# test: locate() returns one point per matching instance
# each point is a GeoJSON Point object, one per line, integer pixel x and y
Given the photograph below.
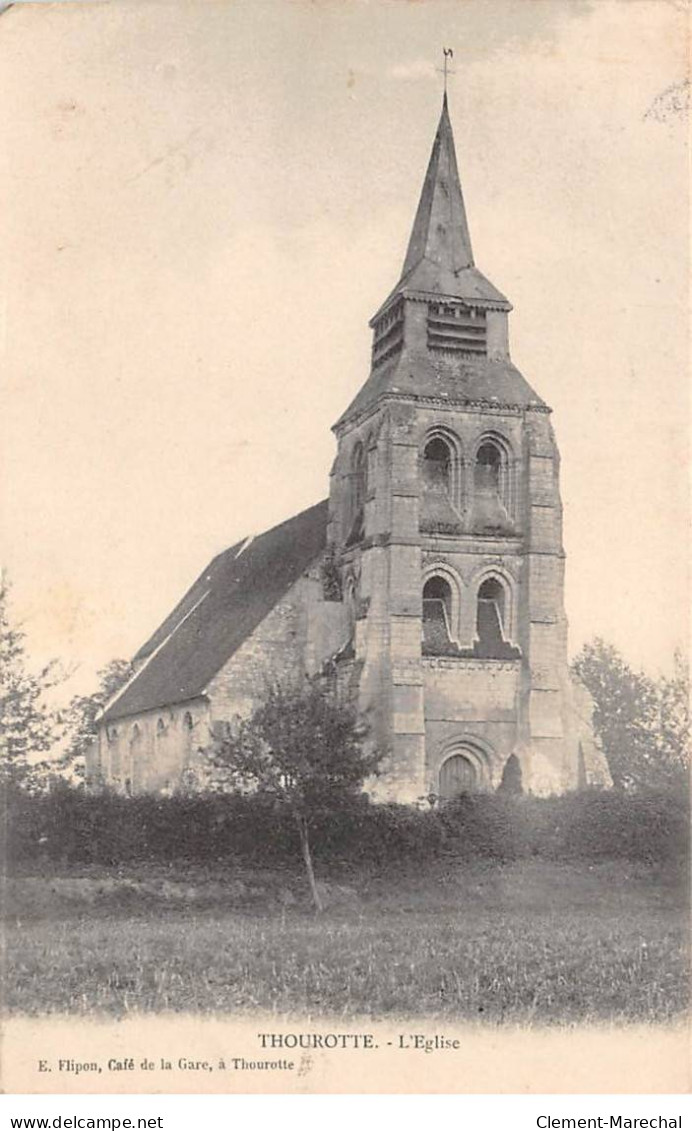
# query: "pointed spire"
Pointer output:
{"type": "Point", "coordinates": [440, 231]}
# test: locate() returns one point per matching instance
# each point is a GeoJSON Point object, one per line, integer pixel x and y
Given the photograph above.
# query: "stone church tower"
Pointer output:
{"type": "Point", "coordinates": [445, 520]}
{"type": "Point", "coordinates": [428, 590]}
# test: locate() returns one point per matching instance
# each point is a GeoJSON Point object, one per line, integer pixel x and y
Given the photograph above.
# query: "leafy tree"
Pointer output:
{"type": "Point", "coordinates": [303, 749]}
{"type": "Point", "coordinates": [28, 726]}
{"type": "Point", "coordinates": [643, 723]}
{"type": "Point", "coordinates": [673, 723]}
{"type": "Point", "coordinates": [83, 711]}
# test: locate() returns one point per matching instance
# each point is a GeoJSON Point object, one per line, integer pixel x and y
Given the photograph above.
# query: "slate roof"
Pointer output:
{"type": "Point", "coordinates": [453, 380]}
{"type": "Point", "coordinates": [429, 280]}
{"type": "Point", "coordinates": [439, 258]}
{"type": "Point", "coordinates": [439, 264]}
{"type": "Point", "coordinates": [220, 610]}
{"type": "Point", "coordinates": [440, 230]}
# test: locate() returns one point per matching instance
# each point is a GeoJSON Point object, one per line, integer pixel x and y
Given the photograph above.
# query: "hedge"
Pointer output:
{"type": "Point", "coordinates": [70, 826]}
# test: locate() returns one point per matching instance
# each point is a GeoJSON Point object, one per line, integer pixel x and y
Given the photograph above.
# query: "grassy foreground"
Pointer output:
{"type": "Point", "coordinates": [526, 942]}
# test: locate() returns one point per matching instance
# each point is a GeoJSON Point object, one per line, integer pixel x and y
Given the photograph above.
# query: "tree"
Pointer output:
{"type": "Point", "coordinates": [28, 726]}
{"type": "Point", "coordinates": [84, 709]}
{"type": "Point", "coordinates": [642, 723]}
{"type": "Point", "coordinates": [511, 781]}
{"type": "Point", "coordinates": [673, 724]}
{"type": "Point", "coordinates": [302, 748]}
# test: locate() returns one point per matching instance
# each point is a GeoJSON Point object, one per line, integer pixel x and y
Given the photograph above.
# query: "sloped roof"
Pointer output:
{"type": "Point", "coordinates": [220, 610]}
{"type": "Point", "coordinates": [454, 380]}
{"type": "Point", "coordinates": [439, 258]}
{"type": "Point", "coordinates": [429, 280]}
{"type": "Point", "coordinates": [440, 230]}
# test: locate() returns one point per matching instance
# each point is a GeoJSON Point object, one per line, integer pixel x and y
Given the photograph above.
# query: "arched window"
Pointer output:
{"type": "Point", "coordinates": [437, 466]}
{"type": "Point", "coordinates": [114, 756]}
{"type": "Point", "coordinates": [437, 616]}
{"type": "Point", "coordinates": [492, 503]}
{"type": "Point", "coordinates": [187, 741]}
{"type": "Point", "coordinates": [136, 768]}
{"type": "Point", "coordinates": [358, 490]}
{"type": "Point", "coordinates": [160, 728]}
{"type": "Point", "coordinates": [440, 482]}
{"type": "Point", "coordinates": [488, 466]}
{"type": "Point", "coordinates": [492, 614]}
{"type": "Point", "coordinates": [360, 477]}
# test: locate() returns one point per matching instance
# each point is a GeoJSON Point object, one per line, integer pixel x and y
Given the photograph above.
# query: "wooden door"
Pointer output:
{"type": "Point", "coordinates": [457, 775]}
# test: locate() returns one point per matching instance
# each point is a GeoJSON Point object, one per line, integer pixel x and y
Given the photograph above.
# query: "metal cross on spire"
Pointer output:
{"type": "Point", "coordinates": [447, 54]}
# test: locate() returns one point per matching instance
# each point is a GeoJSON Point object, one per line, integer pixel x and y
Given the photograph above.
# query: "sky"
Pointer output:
{"type": "Point", "coordinates": [202, 204]}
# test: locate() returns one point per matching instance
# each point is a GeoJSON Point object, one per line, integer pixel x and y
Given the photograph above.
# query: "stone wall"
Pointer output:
{"type": "Point", "coordinates": [157, 751]}
{"type": "Point", "coordinates": [474, 702]}
{"type": "Point", "coordinates": [418, 706]}
{"type": "Point", "coordinates": [294, 639]}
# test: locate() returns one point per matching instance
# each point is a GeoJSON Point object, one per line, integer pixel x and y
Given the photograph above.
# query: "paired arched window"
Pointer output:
{"type": "Point", "coordinates": [493, 621]}
{"type": "Point", "coordinates": [485, 620]}
{"type": "Point", "coordinates": [437, 615]}
{"type": "Point", "coordinates": [488, 466]}
{"type": "Point", "coordinates": [437, 465]}
{"type": "Point", "coordinates": [449, 500]}
{"type": "Point", "coordinates": [490, 615]}
{"type": "Point", "coordinates": [441, 496]}
{"type": "Point", "coordinates": [492, 486]}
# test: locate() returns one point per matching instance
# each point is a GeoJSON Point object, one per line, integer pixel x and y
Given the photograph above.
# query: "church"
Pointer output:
{"type": "Point", "coordinates": [428, 589]}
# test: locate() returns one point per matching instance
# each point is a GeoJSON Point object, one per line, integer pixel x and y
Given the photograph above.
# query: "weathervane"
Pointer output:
{"type": "Point", "coordinates": [447, 53]}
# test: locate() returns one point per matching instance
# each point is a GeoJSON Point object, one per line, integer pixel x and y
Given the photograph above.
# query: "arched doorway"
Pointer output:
{"type": "Point", "coordinates": [461, 772]}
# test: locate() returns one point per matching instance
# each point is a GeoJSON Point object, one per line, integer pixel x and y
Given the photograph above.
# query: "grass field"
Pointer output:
{"type": "Point", "coordinates": [527, 942]}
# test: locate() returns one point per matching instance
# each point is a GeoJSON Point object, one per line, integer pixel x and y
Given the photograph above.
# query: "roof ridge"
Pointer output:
{"type": "Point", "coordinates": [240, 592]}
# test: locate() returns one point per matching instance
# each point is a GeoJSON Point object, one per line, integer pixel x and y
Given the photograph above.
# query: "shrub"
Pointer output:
{"type": "Point", "coordinates": [70, 826]}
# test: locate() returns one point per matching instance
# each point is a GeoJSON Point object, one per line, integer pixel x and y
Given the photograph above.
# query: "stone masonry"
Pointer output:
{"type": "Point", "coordinates": [431, 587]}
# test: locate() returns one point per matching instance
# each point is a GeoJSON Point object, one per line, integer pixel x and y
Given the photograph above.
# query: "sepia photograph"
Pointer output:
{"type": "Point", "coordinates": [344, 616]}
